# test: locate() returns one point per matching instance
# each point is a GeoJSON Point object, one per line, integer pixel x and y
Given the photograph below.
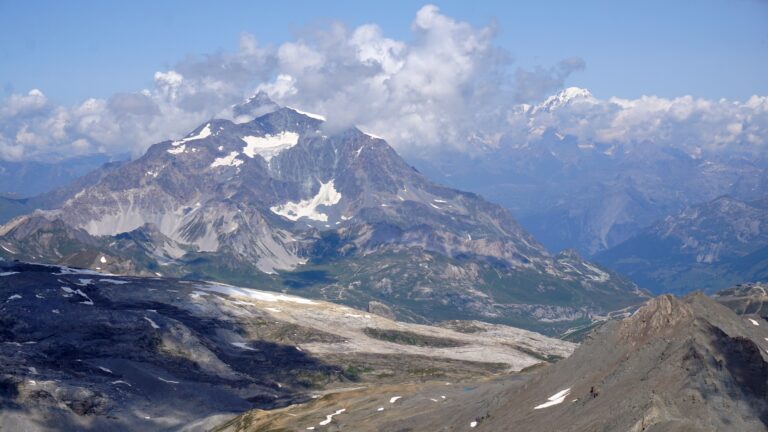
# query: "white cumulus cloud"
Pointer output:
{"type": "Point", "coordinates": [448, 85]}
{"type": "Point", "coordinates": [694, 125]}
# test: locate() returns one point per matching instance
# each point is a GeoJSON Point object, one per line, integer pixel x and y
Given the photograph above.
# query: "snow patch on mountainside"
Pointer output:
{"type": "Point", "coordinates": [555, 399]}
{"type": "Point", "coordinates": [326, 196]}
{"type": "Point", "coordinates": [243, 345]}
{"type": "Point", "coordinates": [229, 160]}
{"type": "Point", "coordinates": [177, 150]}
{"type": "Point", "coordinates": [204, 133]}
{"type": "Point", "coordinates": [373, 136]}
{"type": "Point", "coordinates": [269, 146]}
{"type": "Point", "coordinates": [597, 274]}
{"type": "Point", "coordinates": [308, 114]}
{"type": "Point", "coordinates": [253, 294]}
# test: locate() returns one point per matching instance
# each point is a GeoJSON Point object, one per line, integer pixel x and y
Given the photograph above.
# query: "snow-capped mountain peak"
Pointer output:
{"type": "Point", "coordinates": [255, 106]}
{"type": "Point", "coordinates": [279, 194]}
{"type": "Point", "coordinates": [564, 97]}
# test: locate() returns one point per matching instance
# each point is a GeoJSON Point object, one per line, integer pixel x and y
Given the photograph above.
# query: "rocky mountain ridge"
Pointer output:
{"type": "Point", "coordinates": [592, 194]}
{"type": "Point", "coordinates": [677, 364]}
{"type": "Point", "coordinates": [281, 203]}
{"type": "Point", "coordinates": [708, 247]}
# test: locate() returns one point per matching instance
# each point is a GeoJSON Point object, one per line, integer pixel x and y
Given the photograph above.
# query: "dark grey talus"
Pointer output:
{"type": "Point", "coordinates": [83, 350]}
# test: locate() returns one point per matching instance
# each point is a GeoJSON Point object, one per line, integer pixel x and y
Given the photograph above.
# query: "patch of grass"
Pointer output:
{"type": "Point", "coordinates": [303, 279]}
{"type": "Point", "coordinates": [311, 379]}
{"type": "Point", "coordinates": [409, 338]}
{"type": "Point", "coordinates": [580, 333]}
{"type": "Point", "coordinates": [549, 358]}
{"type": "Point", "coordinates": [355, 372]}
{"type": "Point", "coordinates": [461, 326]}
{"type": "Point", "coordinates": [533, 368]}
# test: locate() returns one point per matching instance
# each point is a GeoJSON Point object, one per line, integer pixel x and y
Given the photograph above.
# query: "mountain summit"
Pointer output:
{"type": "Point", "coordinates": [564, 97]}
{"type": "Point", "coordinates": [678, 364]}
{"type": "Point", "coordinates": [282, 203]}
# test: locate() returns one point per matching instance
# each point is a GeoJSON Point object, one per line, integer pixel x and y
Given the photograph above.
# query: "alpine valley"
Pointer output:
{"type": "Point", "coordinates": [315, 216]}
{"type": "Point", "coordinates": [284, 203]}
{"type": "Point", "coordinates": [708, 247]}
{"type": "Point", "coordinates": [591, 193]}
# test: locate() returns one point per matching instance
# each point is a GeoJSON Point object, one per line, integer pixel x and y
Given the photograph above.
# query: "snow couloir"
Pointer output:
{"type": "Point", "coordinates": [308, 208]}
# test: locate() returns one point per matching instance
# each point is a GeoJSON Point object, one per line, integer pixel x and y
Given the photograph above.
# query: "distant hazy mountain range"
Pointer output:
{"type": "Point", "coordinates": [283, 204]}
{"type": "Point", "coordinates": [599, 198]}
{"type": "Point", "coordinates": [54, 192]}
{"type": "Point", "coordinates": [592, 196]}
{"type": "Point", "coordinates": [25, 179]}
{"type": "Point", "coordinates": [704, 247]}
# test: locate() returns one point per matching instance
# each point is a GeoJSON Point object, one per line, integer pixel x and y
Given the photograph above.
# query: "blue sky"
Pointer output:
{"type": "Point", "coordinates": [81, 77]}
{"type": "Point", "coordinates": [79, 49]}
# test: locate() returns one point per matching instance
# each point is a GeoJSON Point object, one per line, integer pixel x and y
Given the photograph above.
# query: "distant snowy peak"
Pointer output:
{"type": "Point", "coordinates": [255, 106]}
{"type": "Point", "coordinates": [266, 136]}
{"type": "Point", "coordinates": [564, 97]}
{"type": "Point", "coordinates": [259, 99]}
{"type": "Point", "coordinates": [261, 104]}
{"type": "Point", "coordinates": [572, 92]}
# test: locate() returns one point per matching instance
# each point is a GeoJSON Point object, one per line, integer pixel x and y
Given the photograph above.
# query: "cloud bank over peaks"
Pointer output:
{"type": "Point", "coordinates": [697, 126]}
{"type": "Point", "coordinates": [197, 89]}
{"type": "Point", "coordinates": [427, 92]}
{"type": "Point", "coordinates": [448, 87]}
{"type": "Point", "coordinates": [532, 86]}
